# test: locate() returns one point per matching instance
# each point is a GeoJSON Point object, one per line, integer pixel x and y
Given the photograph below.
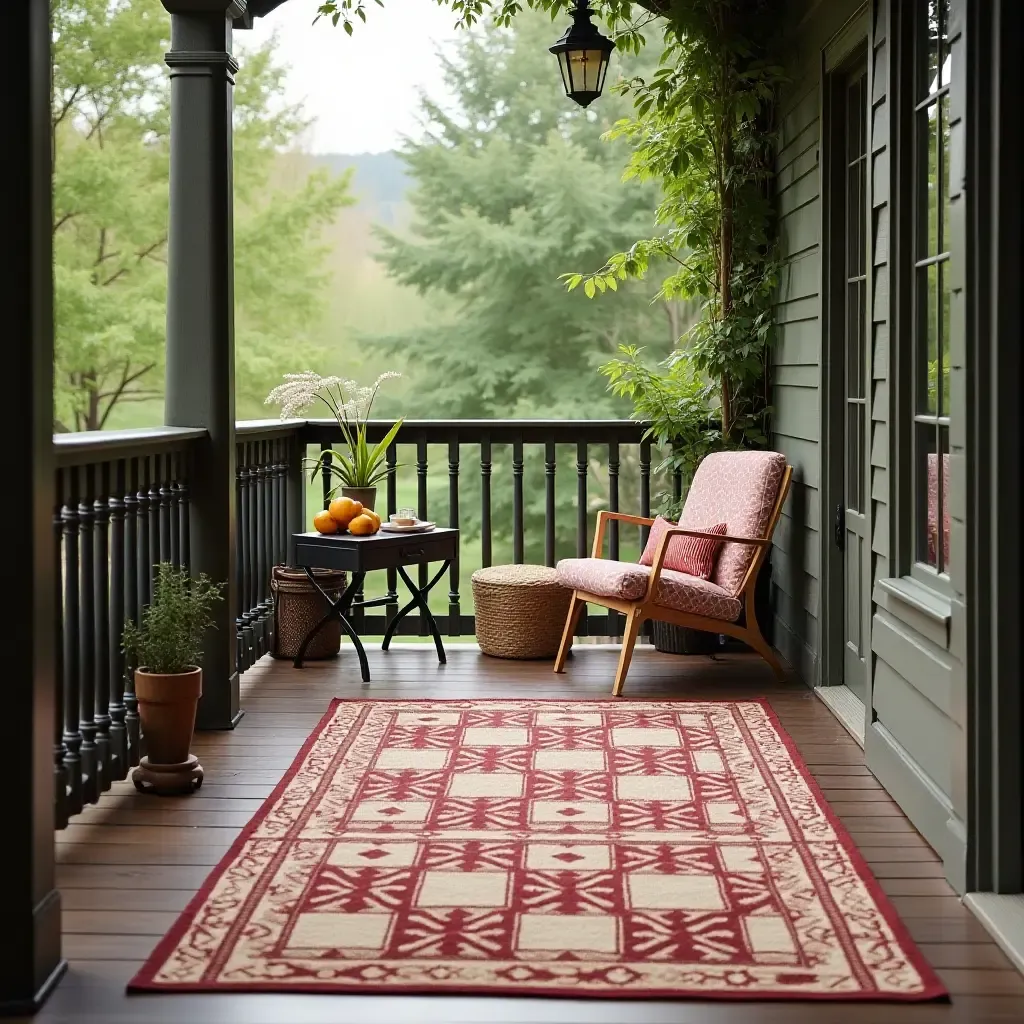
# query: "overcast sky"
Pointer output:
{"type": "Point", "coordinates": [362, 90]}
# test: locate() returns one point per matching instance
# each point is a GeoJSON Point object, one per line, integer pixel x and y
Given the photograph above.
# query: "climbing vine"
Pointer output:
{"type": "Point", "coordinates": [703, 129]}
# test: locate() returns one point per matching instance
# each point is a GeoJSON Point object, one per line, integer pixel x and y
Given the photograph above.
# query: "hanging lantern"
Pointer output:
{"type": "Point", "coordinates": [583, 54]}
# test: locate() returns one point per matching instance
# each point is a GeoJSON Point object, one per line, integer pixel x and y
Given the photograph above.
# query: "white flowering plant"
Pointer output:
{"type": "Point", "coordinates": [361, 465]}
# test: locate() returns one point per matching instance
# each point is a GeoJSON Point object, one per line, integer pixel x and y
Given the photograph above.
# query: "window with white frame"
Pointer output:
{"type": "Point", "coordinates": [931, 287]}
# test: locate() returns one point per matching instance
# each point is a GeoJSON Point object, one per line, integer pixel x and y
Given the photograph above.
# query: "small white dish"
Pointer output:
{"type": "Point", "coordinates": [419, 527]}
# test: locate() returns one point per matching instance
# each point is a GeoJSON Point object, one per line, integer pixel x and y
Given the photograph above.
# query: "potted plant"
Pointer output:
{"type": "Point", "coordinates": [166, 648]}
{"type": "Point", "coordinates": [359, 467]}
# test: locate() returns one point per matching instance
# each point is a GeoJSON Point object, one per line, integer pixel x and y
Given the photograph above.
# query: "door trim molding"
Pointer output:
{"type": "Point", "coordinates": [852, 43]}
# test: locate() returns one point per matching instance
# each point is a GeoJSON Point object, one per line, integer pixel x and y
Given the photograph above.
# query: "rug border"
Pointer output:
{"type": "Point", "coordinates": [934, 990]}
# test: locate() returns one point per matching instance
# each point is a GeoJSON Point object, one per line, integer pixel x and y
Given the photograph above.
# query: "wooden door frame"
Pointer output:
{"type": "Point", "coordinates": [845, 48]}
{"type": "Point", "coordinates": [994, 697]}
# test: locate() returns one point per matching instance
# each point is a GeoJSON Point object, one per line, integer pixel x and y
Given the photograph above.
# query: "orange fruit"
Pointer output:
{"type": "Point", "coordinates": [373, 515]}
{"type": "Point", "coordinates": [343, 510]}
{"type": "Point", "coordinates": [362, 526]}
{"type": "Point", "coordinates": [323, 522]}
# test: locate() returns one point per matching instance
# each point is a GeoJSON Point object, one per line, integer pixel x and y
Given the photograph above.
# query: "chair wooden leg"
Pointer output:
{"type": "Point", "coordinates": [576, 606]}
{"type": "Point", "coordinates": [763, 648]}
{"type": "Point", "coordinates": [629, 636]}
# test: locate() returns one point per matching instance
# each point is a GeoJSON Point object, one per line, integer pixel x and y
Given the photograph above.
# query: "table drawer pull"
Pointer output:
{"type": "Point", "coordinates": [412, 552]}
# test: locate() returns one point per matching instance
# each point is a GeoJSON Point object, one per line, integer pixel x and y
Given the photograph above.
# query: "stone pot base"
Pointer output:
{"type": "Point", "coordinates": [168, 779]}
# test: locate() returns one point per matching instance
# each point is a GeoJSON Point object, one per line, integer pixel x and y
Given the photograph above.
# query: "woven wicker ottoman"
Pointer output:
{"type": "Point", "coordinates": [520, 610]}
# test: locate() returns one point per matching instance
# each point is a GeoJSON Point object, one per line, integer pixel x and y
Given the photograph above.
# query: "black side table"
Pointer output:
{"type": "Point", "coordinates": [360, 555]}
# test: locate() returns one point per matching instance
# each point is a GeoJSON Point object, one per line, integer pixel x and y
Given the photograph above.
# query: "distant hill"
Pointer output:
{"type": "Point", "coordinates": [379, 184]}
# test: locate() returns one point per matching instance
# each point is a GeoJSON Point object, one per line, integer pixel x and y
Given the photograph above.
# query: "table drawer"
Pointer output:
{"type": "Point", "coordinates": [411, 551]}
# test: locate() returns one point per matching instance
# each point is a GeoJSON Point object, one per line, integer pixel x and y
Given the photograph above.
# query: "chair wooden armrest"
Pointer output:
{"type": "Point", "coordinates": [602, 518]}
{"type": "Point", "coordinates": [679, 531]}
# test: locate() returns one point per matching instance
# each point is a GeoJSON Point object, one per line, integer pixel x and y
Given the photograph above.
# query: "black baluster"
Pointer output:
{"type": "Point", "coordinates": [277, 506]}
{"type": "Point", "coordinates": [115, 624]}
{"type": "Point", "coordinates": [86, 646]}
{"type": "Point", "coordinates": [240, 562]}
{"type": "Point", "coordinates": [262, 541]}
{"type": "Point", "coordinates": [613, 527]}
{"type": "Point", "coordinates": [184, 524]}
{"type": "Point", "coordinates": [251, 568]}
{"type": "Point", "coordinates": [421, 499]}
{"type": "Point", "coordinates": [175, 502]}
{"type": "Point", "coordinates": [485, 503]}
{"type": "Point", "coordinates": [454, 605]}
{"type": "Point", "coordinates": [549, 502]}
{"type": "Point", "coordinates": [72, 735]}
{"type": "Point", "coordinates": [245, 569]}
{"type": "Point", "coordinates": [60, 771]}
{"type": "Point", "coordinates": [326, 472]}
{"type": "Point", "coordinates": [645, 489]}
{"type": "Point", "coordinates": [391, 457]}
{"type": "Point", "coordinates": [582, 465]}
{"type": "Point", "coordinates": [132, 609]}
{"type": "Point", "coordinates": [143, 566]}
{"type": "Point", "coordinates": [101, 627]}
{"type": "Point", "coordinates": [154, 519]}
{"type": "Point", "coordinates": [164, 494]}
{"type": "Point", "coordinates": [518, 554]}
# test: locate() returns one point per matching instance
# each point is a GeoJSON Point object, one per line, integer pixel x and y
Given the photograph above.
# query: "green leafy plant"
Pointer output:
{"type": "Point", "coordinates": [169, 638]}
{"type": "Point", "coordinates": [361, 465]}
{"type": "Point", "coordinates": [703, 130]}
{"type": "Point", "coordinates": [674, 401]}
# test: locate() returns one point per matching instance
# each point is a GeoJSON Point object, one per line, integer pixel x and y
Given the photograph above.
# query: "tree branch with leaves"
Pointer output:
{"type": "Point", "coordinates": [703, 130]}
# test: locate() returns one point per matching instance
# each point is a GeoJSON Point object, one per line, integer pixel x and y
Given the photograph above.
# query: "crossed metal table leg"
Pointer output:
{"type": "Point", "coordinates": [337, 610]}
{"type": "Point", "coordinates": [419, 600]}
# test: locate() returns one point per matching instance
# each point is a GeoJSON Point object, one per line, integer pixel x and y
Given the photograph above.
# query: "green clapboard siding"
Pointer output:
{"type": "Point", "coordinates": [796, 369]}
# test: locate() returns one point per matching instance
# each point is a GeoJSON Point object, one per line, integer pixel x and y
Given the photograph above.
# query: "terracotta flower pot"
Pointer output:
{"type": "Point", "coordinates": [366, 496]}
{"type": "Point", "coordinates": [167, 709]}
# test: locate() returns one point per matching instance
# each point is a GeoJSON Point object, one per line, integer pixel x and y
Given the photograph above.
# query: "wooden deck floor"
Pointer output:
{"type": "Point", "coordinates": [128, 865]}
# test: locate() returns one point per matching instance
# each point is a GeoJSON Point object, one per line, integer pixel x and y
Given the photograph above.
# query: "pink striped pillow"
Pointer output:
{"type": "Point", "coordinates": [692, 555]}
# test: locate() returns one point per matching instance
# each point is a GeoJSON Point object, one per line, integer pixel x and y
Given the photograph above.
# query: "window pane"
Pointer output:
{"type": "Point", "coordinates": [944, 498]}
{"type": "Point", "coordinates": [944, 327]}
{"type": "Point", "coordinates": [931, 129]}
{"type": "Point", "coordinates": [854, 455]}
{"type": "Point", "coordinates": [855, 227]}
{"type": "Point", "coordinates": [930, 339]}
{"type": "Point", "coordinates": [927, 487]}
{"type": "Point", "coordinates": [930, 49]}
{"type": "Point", "coordinates": [944, 39]}
{"type": "Point", "coordinates": [944, 197]}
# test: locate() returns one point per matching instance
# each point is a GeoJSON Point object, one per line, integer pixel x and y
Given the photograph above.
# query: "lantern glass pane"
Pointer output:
{"type": "Point", "coordinates": [604, 72]}
{"type": "Point", "coordinates": [563, 67]}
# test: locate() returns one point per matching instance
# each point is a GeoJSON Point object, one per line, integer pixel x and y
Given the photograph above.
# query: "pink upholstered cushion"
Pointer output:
{"type": "Point", "coordinates": [738, 489]}
{"type": "Point", "coordinates": [693, 555]}
{"type": "Point", "coordinates": [628, 581]}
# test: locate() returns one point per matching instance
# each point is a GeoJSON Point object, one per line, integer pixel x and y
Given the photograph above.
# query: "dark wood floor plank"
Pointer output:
{"type": "Point", "coordinates": [128, 865]}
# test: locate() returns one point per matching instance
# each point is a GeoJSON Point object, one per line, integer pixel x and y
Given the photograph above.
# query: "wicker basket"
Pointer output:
{"type": "Point", "coordinates": [298, 608]}
{"type": "Point", "coordinates": [673, 639]}
{"type": "Point", "coordinates": [520, 610]}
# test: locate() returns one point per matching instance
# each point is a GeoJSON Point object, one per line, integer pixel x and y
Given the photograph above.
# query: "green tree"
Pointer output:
{"type": "Point", "coordinates": [513, 185]}
{"type": "Point", "coordinates": [110, 121]}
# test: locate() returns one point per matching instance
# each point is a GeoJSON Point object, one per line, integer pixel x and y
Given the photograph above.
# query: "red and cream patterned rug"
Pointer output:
{"type": "Point", "coordinates": [632, 849]}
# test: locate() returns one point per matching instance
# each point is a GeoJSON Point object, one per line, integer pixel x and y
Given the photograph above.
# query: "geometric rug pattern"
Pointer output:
{"type": "Point", "coordinates": [633, 849]}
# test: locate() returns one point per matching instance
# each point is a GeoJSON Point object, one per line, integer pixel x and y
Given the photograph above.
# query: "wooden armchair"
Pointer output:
{"type": "Point", "coordinates": [746, 490]}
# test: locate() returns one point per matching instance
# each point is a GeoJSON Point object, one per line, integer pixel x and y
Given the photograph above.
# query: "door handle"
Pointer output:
{"type": "Point", "coordinates": [840, 526]}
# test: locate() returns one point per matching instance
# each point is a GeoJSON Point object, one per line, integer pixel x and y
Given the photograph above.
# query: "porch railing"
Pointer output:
{"type": "Point", "coordinates": [124, 506]}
